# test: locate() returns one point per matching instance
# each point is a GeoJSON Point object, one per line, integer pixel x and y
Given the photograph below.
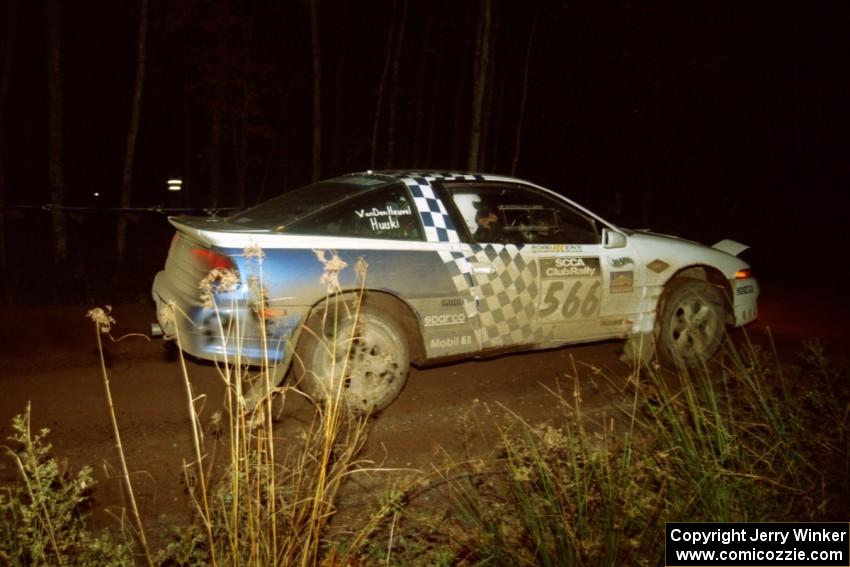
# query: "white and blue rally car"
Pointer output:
{"type": "Point", "coordinates": [459, 265]}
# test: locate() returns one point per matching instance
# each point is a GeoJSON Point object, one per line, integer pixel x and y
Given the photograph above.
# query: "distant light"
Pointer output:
{"type": "Point", "coordinates": [96, 194]}
{"type": "Point", "coordinates": [175, 184]}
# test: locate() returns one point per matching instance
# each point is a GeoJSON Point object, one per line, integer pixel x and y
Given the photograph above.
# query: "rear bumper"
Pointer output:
{"type": "Point", "coordinates": [166, 323]}
{"type": "Point", "coordinates": [232, 329]}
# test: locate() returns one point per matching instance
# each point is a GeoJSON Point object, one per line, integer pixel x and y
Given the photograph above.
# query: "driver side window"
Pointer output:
{"type": "Point", "coordinates": [506, 214]}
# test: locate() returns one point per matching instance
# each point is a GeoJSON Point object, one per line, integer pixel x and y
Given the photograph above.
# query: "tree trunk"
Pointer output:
{"type": "Point", "coordinates": [239, 124]}
{"type": "Point", "coordinates": [317, 89]}
{"type": "Point", "coordinates": [216, 150]}
{"type": "Point", "coordinates": [132, 132]}
{"type": "Point", "coordinates": [188, 145]}
{"type": "Point", "coordinates": [391, 112]}
{"type": "Point", "coordinates": [432, 119]}
{"type": "Point", "coordinates": [524, 97]}
{"type": "Point", "coordinates": [240, 158]}
{"type": "Point", "coordinates": [338, 158]}
{"type": "Point", "coordinates": [423, 96]}
{"type": "Point", "coordinates": [458, 139]}
{"type": "Point", "coordinates": [379, 98]}
{"type": "Point", "coordinates": [490, 94]}
{"type": "Point", "coordinates": [54, 134]}
{"type": "Point", "coordinates": [5, 81]}
{"type": "Point", "coordinates": [459, 84]}
{"type": "Point", "coordinates": [218, 110]}
{"type": "Point", "coordinates": [495, 108]}
{"type": "Point", "coordinates": [481, 68]}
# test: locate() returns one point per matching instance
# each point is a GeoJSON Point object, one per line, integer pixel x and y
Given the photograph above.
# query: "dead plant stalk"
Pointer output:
{"type": "Point", "coordinates": [193, 416]}
{"type": "Point", "coordinates": [125, 472]}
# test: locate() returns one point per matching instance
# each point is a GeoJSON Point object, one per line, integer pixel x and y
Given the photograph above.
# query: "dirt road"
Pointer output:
{"type": "Point", "coordinates": [48, 358]}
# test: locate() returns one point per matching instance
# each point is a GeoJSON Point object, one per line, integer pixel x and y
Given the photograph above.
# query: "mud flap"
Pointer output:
{"type": "Point", "coordinates": [639, 349]}
{"type": "Point", "coordinates": [257, 394]}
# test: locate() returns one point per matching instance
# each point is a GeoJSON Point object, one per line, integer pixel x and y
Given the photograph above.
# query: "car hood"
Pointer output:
{"type": "Point", "coordinates": [680, 253]}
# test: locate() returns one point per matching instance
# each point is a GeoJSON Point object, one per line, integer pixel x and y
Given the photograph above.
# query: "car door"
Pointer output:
{"type": "Point", "coordinates": [501, 272]}
{"type": "Point", "coordinates": [589, 288]}
{"type": "Point", "coordinates": [542, 274]}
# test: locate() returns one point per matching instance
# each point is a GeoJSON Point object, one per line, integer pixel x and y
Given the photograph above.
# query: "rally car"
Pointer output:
{"type": "Point", "coordinates": [459, 265]}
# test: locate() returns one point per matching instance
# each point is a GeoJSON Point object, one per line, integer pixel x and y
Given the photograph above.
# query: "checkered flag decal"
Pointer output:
{"type": "Point", "coordinates": [460, 270]}
{"type": "Point", "coordinates": [507, 298]}
{"type": "Point", "coordinates": [438, 224]}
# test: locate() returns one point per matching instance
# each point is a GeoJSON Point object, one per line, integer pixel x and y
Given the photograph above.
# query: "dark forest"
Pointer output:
{"type": "Point", "coordinates": [478, 440]}
{"type": "Point", "coordinates": [703, 119]}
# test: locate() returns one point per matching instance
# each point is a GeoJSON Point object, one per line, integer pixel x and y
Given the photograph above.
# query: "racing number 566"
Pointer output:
{"type": "Point", "coordinates": [581, 297]}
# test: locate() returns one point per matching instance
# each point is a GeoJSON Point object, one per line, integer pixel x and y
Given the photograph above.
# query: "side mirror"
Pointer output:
{"type": "Point", "coordinates": [613, 239]}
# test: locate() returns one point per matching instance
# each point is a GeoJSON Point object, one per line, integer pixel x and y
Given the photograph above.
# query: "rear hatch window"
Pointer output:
{"type": "Point", "coordinates": [280, 212]}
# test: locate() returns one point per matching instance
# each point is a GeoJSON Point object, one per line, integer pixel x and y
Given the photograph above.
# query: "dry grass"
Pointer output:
{"type": "Point", "coordinates": [738, 440]}
{"type": "Point", "coordinates": [744, 439]}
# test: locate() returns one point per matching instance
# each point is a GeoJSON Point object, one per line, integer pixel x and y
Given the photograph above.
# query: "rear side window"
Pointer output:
{"type": "Point", "coordinates": [384, 213]}
{"type": "Point", "coordinates": [277, 213]}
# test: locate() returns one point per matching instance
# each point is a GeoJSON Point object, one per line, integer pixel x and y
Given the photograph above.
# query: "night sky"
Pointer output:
{"type": "Point", "coordinates": [704, 119]}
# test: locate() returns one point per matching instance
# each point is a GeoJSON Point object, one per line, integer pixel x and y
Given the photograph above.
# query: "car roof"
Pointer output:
{"type": "Point", "coordinates": [440, 174]}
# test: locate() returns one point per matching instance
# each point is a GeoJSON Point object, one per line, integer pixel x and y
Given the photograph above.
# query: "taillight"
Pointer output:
{"type": "Point", "coordinates": [211, 259]}
{"type": "Point", "coordinates": [744, 274]}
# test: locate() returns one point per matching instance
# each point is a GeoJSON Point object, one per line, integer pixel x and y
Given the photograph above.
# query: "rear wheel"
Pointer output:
{"type": "Point", "coordinates": [365, 362]}
{"type": "Point", "coordinates": [691, 323]}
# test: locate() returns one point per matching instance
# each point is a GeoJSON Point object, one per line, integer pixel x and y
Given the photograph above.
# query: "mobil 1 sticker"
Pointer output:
{"type": "Point", "coordinates": [571, 289]}
{"type": "Point", "coordinates": [444, 342]}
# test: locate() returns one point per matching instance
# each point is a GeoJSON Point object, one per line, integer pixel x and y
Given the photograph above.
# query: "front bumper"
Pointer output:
{"type": "Point", "coordinates": [745, 295]}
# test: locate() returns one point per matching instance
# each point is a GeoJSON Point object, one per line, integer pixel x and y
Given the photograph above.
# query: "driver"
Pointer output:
{"type": "Point", "coordinates": [489, 229]}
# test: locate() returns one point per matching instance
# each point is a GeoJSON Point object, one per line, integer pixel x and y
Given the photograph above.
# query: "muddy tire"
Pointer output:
{"type": "Point", "coordinates": [367, 363]}
{"type": "Point", "coordinates": [690, 327]}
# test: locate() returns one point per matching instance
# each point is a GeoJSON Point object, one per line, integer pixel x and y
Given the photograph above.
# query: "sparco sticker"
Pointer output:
{"type": "Point", "coordinates": [444, 319]}
{"type": "Point", "coordinates": [569, 267]}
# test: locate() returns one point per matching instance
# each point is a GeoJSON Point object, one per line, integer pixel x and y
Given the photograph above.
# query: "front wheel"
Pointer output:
{"type": "Point", "coordinates": [691, 323]}
{"type": "Point", "coordinates": [365, 362]}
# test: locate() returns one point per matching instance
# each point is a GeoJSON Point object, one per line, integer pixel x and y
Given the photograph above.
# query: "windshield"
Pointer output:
{"type": "Point", "coordinates": [285, 209]}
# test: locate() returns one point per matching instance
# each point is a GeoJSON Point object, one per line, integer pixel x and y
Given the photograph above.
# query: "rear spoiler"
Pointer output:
{"type": "Point", "coordinates": [730, 247]}
{"type": "Point", "coordinates": [199, 227]}
{"type": "Point", "coordinates": [193, 227]}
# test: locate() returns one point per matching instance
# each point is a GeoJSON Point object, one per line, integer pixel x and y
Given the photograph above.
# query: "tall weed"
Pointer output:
{"type": "Point", "coordinates": [270, 503]}
{"type": "Point", "coordinates": [42, 516]}
{"type": "Point", "coordinates": [739, 440]}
